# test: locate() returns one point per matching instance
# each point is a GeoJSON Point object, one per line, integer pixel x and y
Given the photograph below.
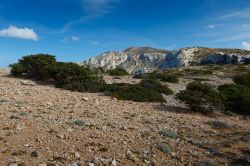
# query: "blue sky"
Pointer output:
{"type": "Point", "coordinates": [74, 30]}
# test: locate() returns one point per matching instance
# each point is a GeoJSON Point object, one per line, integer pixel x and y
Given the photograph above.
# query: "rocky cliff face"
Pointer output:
{"type": "Point", "coordinates": [146, 59]}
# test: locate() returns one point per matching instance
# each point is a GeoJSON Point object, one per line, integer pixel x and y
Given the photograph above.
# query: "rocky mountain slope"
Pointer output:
{"type": "Point", "coordinates": [41, 125]}
{"type": "Point", "coordinates": [147, 59]}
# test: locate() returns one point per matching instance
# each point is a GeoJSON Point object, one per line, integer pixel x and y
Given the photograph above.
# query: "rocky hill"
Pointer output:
{"type": "Point", "coordinates": [41, 125]}
{"type": "Point", "coordinates": [147, 59]}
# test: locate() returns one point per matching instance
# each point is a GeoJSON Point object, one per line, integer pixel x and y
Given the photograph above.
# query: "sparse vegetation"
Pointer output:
{"type": "Point", "coordinates": [202, 98]}
{"type": "Point", "coordinates": [118, 72]}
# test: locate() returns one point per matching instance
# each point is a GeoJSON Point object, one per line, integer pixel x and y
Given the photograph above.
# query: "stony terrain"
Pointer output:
{"type": "Point", "coordinates": [44, 126]}
{"type": "Point", "coordinates": [147, 59]}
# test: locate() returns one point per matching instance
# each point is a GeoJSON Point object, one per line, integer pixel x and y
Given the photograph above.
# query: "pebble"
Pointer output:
{"type": "Point", "coordinates": [114, 163]}
{"type": "Point", "coordinates": [77, 155]}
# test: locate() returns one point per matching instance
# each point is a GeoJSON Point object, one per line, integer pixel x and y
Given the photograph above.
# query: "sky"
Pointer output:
{"type": "Point", "coordinates": [74, 30]}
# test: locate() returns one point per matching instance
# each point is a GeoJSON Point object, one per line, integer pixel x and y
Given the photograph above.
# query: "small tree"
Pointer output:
{"type": "Point", "coordinates": [34, 66]}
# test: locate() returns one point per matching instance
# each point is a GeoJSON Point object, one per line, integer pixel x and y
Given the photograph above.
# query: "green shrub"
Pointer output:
{"type": "Point", "coordinates": [146, 91]}
{"type": "Point", "coordinates": [201, 98]}
{"type": "Point", "coordinates": [164, 77]}
{"type": "Point", "coordinates": [118, 72]}
{"type": "Point", "coordinates": [237, 98]}
{"type": "Point", "coordinates": [138, 93]}
{"type": "Point", "coordinates": [198, 71]}
{"type": "Point", "coordinates": [173, 78]}
{"type": "Point", "coordinates": [64, 75]}
{"type": "Point", "coordinates": [34, 66]}
{"type": "Point", "coordinates": [243, 79]}
{"type": "Point", "coordinates": [156, 86]}
{"type": "Point", "coordinates": [84, 84]}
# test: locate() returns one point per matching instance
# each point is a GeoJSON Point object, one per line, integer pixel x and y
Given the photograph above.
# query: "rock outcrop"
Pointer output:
{"type": "Point", "coordinates": [146, 59]}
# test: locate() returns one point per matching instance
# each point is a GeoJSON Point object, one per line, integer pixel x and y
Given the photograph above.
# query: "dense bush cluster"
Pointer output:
{"type": "Point", "coordinates": [146, 91]}
{"type": "Point", "coordinates": [73, 77]}
{"type": "Point", "coordinates": [230, 97]}
{"type": "Point", "coordinates": [35, 66]}
{"type": "Point", "coordinates": [202, 98]}
{"type": "Point", "coordinates": [64, 75]}
{"type": "Point", "coordinates": [243, 79]}
{"type": "Point", "coordinates": [164, 77]}
{"type": "Point", "coordinates": [237, 98]}
{"type": "Point", "coordinates": [118, 72]}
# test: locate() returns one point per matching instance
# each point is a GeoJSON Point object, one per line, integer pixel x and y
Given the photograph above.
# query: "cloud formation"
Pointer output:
{"type": "Point", "coordinates": [246, 45]}
{"type": "Point", "coordinates": [93, 9]}
{"type": "Point", "coordinates": [75, 38]}
{"type": "Point", "coordinates": [99, 7]}
{"type": "Point", "coordinates": [237, 14]}
{"type": "Point", "coordinates": [20, 33]}
{"type": "Point", "coordinates": [210, 26]}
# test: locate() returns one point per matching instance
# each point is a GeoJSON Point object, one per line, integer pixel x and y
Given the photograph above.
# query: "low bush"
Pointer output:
{"type": "Point", "coordinates": [118, 72]}
{"type": "Point", "coordinates": [146, 91]}
{"type": "Point", "coordinates": [164, 77]}
{"type": "Point", "coordinates": [243, 79]}
{"type": "Point", "coordinates": [202, 98]}
{"type": "Point", "coordinates": [198, 71]}
{"type": "Point", "coordinates": [156, 86]}
{"type": "Point", "coordinates": [64, 75]}
{"type": "Point", "coordinates": [137, 93]}
{"type": "Point", "coordinates": [237, 98]}
{"type": "Point", "coordinates": [173, 78]}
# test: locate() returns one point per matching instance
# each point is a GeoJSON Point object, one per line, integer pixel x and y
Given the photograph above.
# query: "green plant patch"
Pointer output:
{"type": "Point", "coordinates": [118, 72]}
{"type": "Point", "coordinates": [202, 98]}
{"type": "Point", "coordinates": [169, 133]}
{"type": "Point", "coordinates": [237, 98]}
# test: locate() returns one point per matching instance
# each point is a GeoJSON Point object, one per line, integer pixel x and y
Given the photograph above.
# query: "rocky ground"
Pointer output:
{"type": "Point", "coordinates": [44, 126]}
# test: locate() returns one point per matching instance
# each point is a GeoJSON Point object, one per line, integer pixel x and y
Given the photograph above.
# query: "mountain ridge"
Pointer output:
{"type": "Point", "coordinates": [148, 59]}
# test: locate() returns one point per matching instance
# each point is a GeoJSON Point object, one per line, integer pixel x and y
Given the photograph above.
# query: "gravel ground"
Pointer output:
{"type": "Point", "coordinates": [44, 126]}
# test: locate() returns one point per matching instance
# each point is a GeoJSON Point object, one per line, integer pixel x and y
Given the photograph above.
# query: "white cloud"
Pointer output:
{"type": "Point", "coordinates": [93, 9]}
{"type": "Point", "coordinates": [21, 33]}
{"type": "Point", "coordinates": [210, 26]}
{"type": "Point", "coordinates": [95, 43]}
{"type": "Point", "coordinates": [99, 7]}
{"type": "Point", "coordinates": [246, 45]}
{"type": "Point", "coordinates": [75, 38]}
{"type": "Point", "coordinates": [243, 13]}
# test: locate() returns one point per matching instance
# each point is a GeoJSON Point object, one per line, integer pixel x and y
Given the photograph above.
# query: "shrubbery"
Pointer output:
{"type": "Point", "coordinates": [73, 77]}
{"type": "Point", "coordinates": [243, 79]}
{"type": "Point", "coordinates": [156, 86]}
{"type": "Point", "coordinates": [237, 98]}
{"type": "Point", "coordinates": [34, 66]}
{"type": "Point", "coordinates": [202, 98]}
{"type": "Point", "coordinates": [164, 77]}
{"type": "Point", "coordinates": [64, 75]}
{"type": "Point", "coordinates": [146, 91]}
{"type": "Point", "coordinates": [118, 72]}
{"type": "Point", "coordinates": [135, 93]}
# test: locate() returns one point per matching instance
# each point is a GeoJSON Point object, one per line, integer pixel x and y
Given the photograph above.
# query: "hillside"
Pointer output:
{"type": "Point", "coordinates": [43, 126]}
{"type": "Point", "coordinates": [147, 59]}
